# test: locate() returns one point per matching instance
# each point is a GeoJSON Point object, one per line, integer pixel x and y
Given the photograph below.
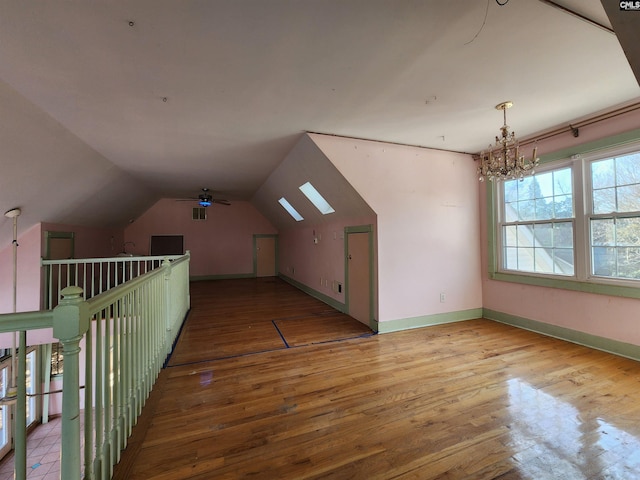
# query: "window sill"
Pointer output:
{"type": "Point", "coordinates": [568, 284]}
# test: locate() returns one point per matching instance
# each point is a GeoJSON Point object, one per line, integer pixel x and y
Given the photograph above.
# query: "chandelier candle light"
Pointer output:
{"type": "Point", "coordinates": [503, 160]}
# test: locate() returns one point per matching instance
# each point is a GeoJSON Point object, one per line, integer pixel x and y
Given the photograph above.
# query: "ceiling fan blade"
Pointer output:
{"type": "Point", "coordinates": [221, 201]}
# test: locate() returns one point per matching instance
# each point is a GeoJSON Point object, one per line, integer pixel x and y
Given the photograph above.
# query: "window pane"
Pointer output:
{"type": "Point", "coordinates": [525, 188]}
{"type": "Point", "coordinates": [543, 235]}
{"type": "Point", "coordinates": [511, 191]}
{"type": "Point", "coordinates": [563, 235]}
{"type": "Point", "coordinates": [511, 212]}
{"type": "Point", "coordinates": [543, 185]}
{"type": "Point", "coordinates": [629, 198]}
{"type": "Point", "coordinates": [510, 236]}
{"type": "Point", "coordinates": [604, 201]}
{"type": "Point", "coordinates": [629, 262]}
{"type": "Point", "coordinates": [616, 184]}
{"type": "Point", "coordinates": [543, 261]}
{"type": "Point", "coordinates": [627, 232]}
{"type": "Point", "coordinates": [562, 182]}
{"type": "Point", "coordinates": [616, 247]}
{"type": "Point", "coordinates": [525, 235]}
{"type": "Point", "coordinates": [603, 232]}
{"type": "Point", "coordinates": [525, 259]}
{"type": "Point", "coordinates": [527, 210]}
{"type": "Point", "coordinates": [604, 261]}
{"type": "Point", "coordinates": [541, 197]}
{"type": "Point", "coordinates": [602, 174]}
{"type": "Point", "coordinates": [511, 258]}
{"type": "Point", "coordinates": [544, 208]}
{"type": "Point", "coordinates": [628, 169]}
{"type": "Point", "coordinates": [564, 261]}
{"type": "Point", "coordinates": [563, 206]}
{"type": "Point", "coordinates": [545, 248]}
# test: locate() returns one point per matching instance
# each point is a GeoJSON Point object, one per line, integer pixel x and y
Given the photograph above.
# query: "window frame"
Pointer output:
{"type": "Point", "coordinates": [579, 157]}
{"type": "Point", "coordinates": [589, 214]}
{"type": "Point", "coordinates": [502, 222]}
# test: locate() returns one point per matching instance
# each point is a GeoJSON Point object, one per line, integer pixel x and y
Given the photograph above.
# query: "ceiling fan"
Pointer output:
{"type": "Point", "coordinates": [205, 199]}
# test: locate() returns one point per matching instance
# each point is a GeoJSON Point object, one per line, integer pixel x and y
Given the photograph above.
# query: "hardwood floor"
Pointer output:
{"type": "Point", "coordinates": [473, 400]}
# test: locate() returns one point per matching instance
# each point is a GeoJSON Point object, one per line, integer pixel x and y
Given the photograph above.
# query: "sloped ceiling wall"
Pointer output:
{"type": "Point", "coordinates": [626, 24]}
{"type": "Point", "coordinates": [55, 177]}
{"type": "Point", "coordinates": [305, 163]}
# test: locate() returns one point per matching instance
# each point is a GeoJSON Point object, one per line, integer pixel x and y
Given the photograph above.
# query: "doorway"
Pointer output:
{"type": "Point", "coordinates": [59, 246]}
{"type": "Point", "coordinates": [265, 255]}
{"type": "Point", "coordinates": [359, 268]}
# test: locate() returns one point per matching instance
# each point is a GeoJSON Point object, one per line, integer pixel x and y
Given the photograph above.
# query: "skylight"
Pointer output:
{"type": "Point", "coordinates": [318, 200]}
{"type": "Point", "coordinates": [292, 211]}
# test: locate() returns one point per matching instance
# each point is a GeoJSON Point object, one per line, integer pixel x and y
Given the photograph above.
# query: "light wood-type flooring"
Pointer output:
{"type": "Point", "coordinates": [268, 383]}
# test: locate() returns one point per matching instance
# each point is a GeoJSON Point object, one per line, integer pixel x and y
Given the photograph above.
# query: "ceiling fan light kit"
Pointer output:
{"type": "Point", "coordinates": [205, 199]}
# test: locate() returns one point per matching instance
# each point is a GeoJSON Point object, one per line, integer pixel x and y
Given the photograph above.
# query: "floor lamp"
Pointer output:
{"type": "Point", "coordinates": [12, 391]}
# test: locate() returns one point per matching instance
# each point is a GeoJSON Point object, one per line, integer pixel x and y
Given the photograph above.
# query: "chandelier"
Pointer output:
{"type": "Point", "coordinates": [503, 160]}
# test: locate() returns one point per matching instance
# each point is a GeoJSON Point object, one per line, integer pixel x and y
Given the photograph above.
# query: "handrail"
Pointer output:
{"type": "Point", "coordinates": [13, 322]}
{"type": "Point", "coordinates": [139, 258]}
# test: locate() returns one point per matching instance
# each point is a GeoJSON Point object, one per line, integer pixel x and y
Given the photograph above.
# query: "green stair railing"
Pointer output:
{"type": "Point", "coordinates": [127, 333]}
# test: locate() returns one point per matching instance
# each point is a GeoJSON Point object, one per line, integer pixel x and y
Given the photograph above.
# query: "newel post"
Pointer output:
{"type": "Point", "coordinates": [70, 323]}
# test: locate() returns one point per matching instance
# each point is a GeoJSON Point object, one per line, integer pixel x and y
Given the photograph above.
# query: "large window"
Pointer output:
{"type": "Point", "coordinates": [576, 219]}
{"type": "Point", "coordinates": [537, 232]}
{"type": "Point", "coordinates": [615, 217]}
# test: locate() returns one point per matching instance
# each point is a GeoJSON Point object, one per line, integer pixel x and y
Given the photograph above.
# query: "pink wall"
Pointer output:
{"type": "Point", "coordinates": [28, 276]}
{"type": "Point", "coordinates": [427, 223]}
{"type": "Point", "coordinates": [313, 261]}
{"type": "Point", "coordinates": [220, 245]}
{"type": "Point", "coordinates": [89, 242]}
{"type": "Point", "coordinates": [602, 315]}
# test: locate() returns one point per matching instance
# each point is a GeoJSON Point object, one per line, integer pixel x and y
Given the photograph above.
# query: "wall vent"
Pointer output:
{"type": "Point", "coordinates": [199, 213]}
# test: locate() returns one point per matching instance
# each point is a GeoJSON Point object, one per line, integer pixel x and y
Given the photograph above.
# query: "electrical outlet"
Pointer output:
{"type": "Point", "coordinates": [443, 297]}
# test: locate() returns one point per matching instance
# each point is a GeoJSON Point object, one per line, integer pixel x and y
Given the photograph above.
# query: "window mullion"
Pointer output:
{"type": "Point", "coordinates": [582, 207]}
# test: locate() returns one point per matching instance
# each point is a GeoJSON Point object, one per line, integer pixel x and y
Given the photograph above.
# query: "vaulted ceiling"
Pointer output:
{"type": "Point", "coordinates": [108, 106]}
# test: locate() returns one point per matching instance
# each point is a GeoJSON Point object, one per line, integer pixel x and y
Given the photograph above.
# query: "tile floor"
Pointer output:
{"type": "Point", "coordinates": [43, 454]}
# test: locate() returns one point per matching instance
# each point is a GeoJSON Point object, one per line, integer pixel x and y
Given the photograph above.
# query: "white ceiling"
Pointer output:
{"type": "Point", "coordinates": [216, 93]}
